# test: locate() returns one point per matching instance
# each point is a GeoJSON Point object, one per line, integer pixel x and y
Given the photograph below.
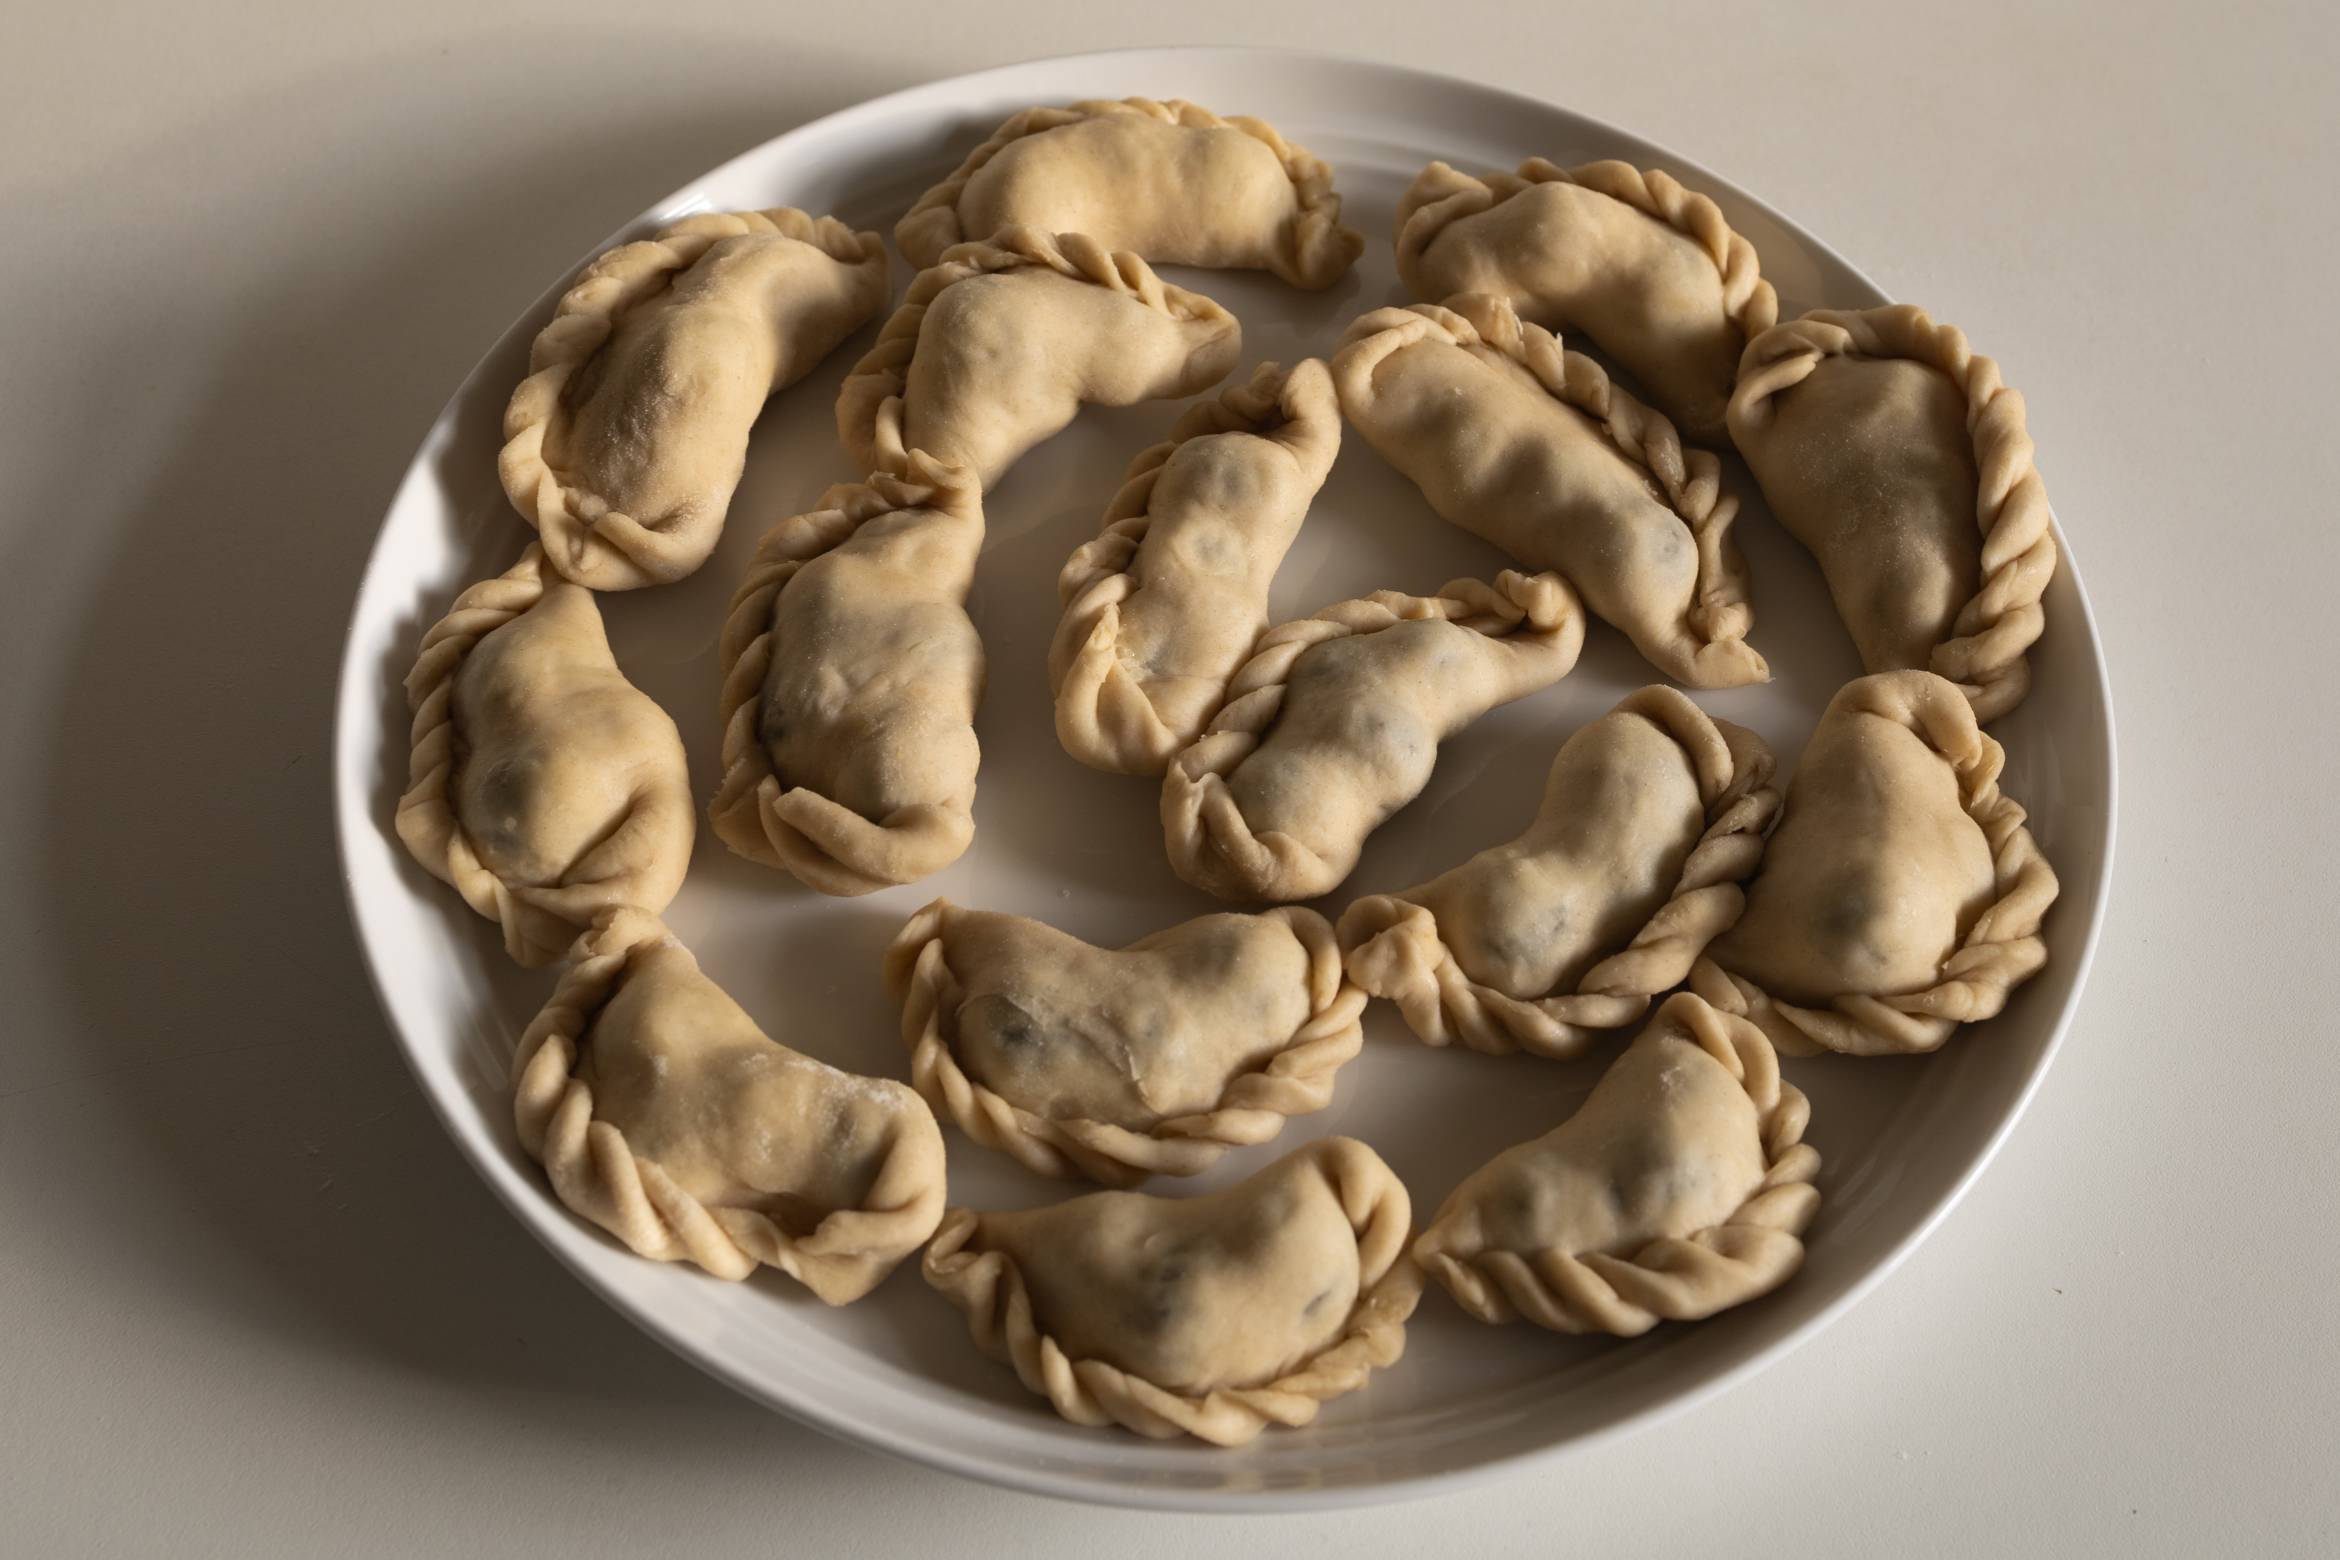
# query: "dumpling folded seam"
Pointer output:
{"type": "Point", "coordinates": [1533, 623]}
{"type": "Point", "coordinates": [598, 1174]}
{"type": "Point", "coordinates": [988, 1284]}
{"type": "Point", "coordinates": [640, 500]}
{"type": "Point", "coordinates": [2001, 949]}
{"type": "Point", "coordinates": [1691, 625]}
{"type": "Point", "coordinates": [1295, 1080]}
{"type": "Point", "coordinates": [1008, 374]}
{"type": "Point", "coordinates": [1303, 242]}
{"type": "Point", "coordinates": [1143, 652]}
{"type": "Point", "coordinates": [1498, 232]}
{"type": "Point", "coordinates": [1675, 1277]}
{"type": "Point", "coordinates": [1993, 631]}
{"type": "Point", "coordinates": [1397, 949]}
{"type": "Point", "coordinates": [634, 854]}
{"type": "Point", "coordinates": [899, 715]}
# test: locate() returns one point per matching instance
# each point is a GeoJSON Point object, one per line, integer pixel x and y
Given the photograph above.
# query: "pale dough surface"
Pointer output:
{"type": "Point", "coordinates": [1171, 181]}
{"type": "Point", "coordinates": [1680, 1186]}
{"type": "Point", "coordinates": [1651, 816]}
{"type": "Point", "coordinates": [543, 785]}
{"type": "Point", "coordinates": [852, 675]}
{"type": "Point", "coordinates": [1901, 894]}
{"type": "Point", "coordinates": [1213, 1316]}
{"type": "Point", "coordinates": [1117, 1063]}
{"type": "Point", "coordinates": [1334, 724]}
{"type": "Point", "coordinates": [1531, 446]}
{"type": "Point", "coordinates": [623, 445]}
{"type": "Point", "coordinates": [999, 344]}
{"type": "Point", "coordinates": [1167, 601]}
{"type": "Point", "coordinates": [1627, 257]}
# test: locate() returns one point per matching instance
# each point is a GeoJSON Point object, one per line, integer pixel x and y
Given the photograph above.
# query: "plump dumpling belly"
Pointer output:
{"type": "Point", "coordinates": [1873, 876]}
{"type": "Point", "coordinates": [735, 1119]}
{"type": "Point", "coordinates": [1131, 1037]}
{"type": "Point", "coordinates": [1869, 465]}
{"type": "Point", "coordinates": [875, 673]}
{"type": "Point", "coordinates": [1221, 1291]}
{"type": "Point", "coordinates": [554, 746]}
{"type": "Point", "coordinates": [1130, 181]}
{"type": "Point", "coordinates": [1532, 916]}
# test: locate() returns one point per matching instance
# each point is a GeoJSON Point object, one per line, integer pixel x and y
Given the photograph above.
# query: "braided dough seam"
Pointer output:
{"type": "Point", "coordinates": [1986, 656]}
{"type": "Point", "coordinates": [989, 1287]}
{"type": "Point", "coordinates": [606, 547]}
{"type": "Point", "coordinates": [1319, 252]}
{"type": "Point", "coordinates": [816, 839]}
{"type": "Point", "coordinates": [1449, 195]}
{"type": "Point", "coordinates": [869, 405]}
{"type": "Point", "coordinates": [1105, 717]}
{"type": "Point", "coordinates": [1710, 647]}
{"type": "Point", "coordinates": [1296, 1081]}
{"type": "Point", "coordinates": [599, 1178]}
{"type": "Point", "coordinates": [539, 921]}
{"type": "Point", "coordinates": [1673, 1278]}
{"type": "Point", "coordinates": [1395, 949]}
{"type": "Point", "coordinates": [1205, 830]}
{"type": "Point", "coordinates": [2000, 951]}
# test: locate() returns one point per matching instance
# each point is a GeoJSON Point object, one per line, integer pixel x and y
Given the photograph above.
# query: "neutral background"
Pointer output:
{"type": "Point", "coordinates": [250, 1300]}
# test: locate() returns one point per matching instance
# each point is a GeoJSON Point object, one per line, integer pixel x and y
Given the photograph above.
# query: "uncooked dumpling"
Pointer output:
{"type": "Point", "coordinates": [1901, 460]}
{"type": "Point", "coordinates": [1651, 818]}
{"type": "Point", "coordinates": [623, 444]}
{"type": "Point", "coordinates": [1121, 1063]}
{"type": "Point", "coordinates": [1626, 257]}
{"type": "Point", "coordinates": [851, 676]}
{"type": "Point", "coordinates": [1334, 724]}
{"type": "Point", "coordinates": [1000, 343]}
{"type": "Point", "coordinates": [542, 784]}
{"type": "Point", "coordinates": [1680, 1187]}
{"type": "Point", "coordinates": [663, 1114]}
{"type": "Point", "coordinates": [1900, 896]}
{"type": "Point", "coordinates": [1171, 181]}
{"type": "Point", "coordinates": [1532, 447]}
{"type": "Point", "coordinates": [1211, 1316]}
{"type": "Point", "coordinates": [1164, 605]}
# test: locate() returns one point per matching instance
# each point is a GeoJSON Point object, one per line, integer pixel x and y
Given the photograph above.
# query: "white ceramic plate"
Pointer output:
{"type": "Point", "coordinates": [1900, 1138]}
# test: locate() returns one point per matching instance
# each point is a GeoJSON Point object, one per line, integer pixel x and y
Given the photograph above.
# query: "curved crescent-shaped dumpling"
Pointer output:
{"type": "Point", "coordinates": [999, 344]}
{"type": "Point", "coordinates": [1900, 896]}
{"type": "Point", "coordinates": [1901, 460]}
{"type": "Point", "coordinates": [1652, 816]}
{"type": "Point", "coordinates": [1334, 724]}
{"type": "Point", "coordinates": [1211, 1316]}
{"type": "Point", "coordinates": [542, 784]}
{"type": "Point", "coordinates": [623, 444]}
{"type": "Point", "coordinates": [663, 1114]}
{"type": "Point", "coordinates": [1533, 448]}
{"type": "Point", "coordinates": [1123, 1063]}
{"type": "Point", "coordinates": [1171, 181]}
{"type": "Point", "coordinates": [1680, 1187]}
{"type": "Point", "coordinates": [852, 672]}
{"type": "Point", "coordinates": [1646, 269]}
{"type": "Point", "coordinates": [1164, 605]}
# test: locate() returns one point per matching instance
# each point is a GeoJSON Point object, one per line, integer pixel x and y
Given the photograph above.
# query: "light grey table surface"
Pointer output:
{"type": "Point", "coordinates": [252, 1303]}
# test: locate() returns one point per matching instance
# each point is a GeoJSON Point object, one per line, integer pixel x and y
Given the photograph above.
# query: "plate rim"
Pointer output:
{"type": "Point", "coordinates": [356, 699]}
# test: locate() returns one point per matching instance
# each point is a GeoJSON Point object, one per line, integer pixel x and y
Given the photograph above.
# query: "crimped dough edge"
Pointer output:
{"type": "Point", "coordinates": [989, 1287]}
{"type": "Point", "coordinates": [599, 1178]}
{"type": "Point", "coordinates": [1673, 1278]}
{"type": "Point", "coordinates": [1987, 655]}
{"type": "Point", "coordinates": [2000, 951]}
{"type": "Point", "coordinates": [1395, 949]}
{"type": "Point", "coordinates": [814, 838]}
{"type": "Point", "coordinates": [1318, 253]}
{"type": "Point", "coordinates": [1253, 1107]}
